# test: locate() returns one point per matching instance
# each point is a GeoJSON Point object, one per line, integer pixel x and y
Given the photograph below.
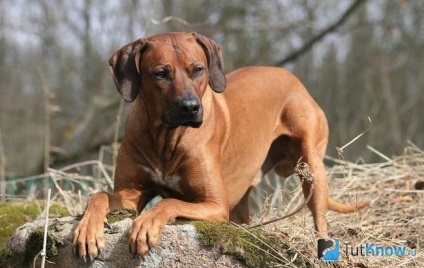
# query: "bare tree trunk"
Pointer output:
{"type": "Point", "coordinates": [2, 157]}
{"type": "Point", "coordinates": [2, 170]}
{"type": "Point", "coordinates": [47, 127]}
{"type": "Point", "coordinates": [391, 102]}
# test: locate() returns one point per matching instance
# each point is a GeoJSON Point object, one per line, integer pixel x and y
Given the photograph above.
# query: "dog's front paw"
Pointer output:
{"type": "Point", "coordinates": [89, 241]}
{"type": "Point", "coordinates": [146, 230]}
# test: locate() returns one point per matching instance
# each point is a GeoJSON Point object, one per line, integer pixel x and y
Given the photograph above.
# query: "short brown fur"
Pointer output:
{"type": "Point", "coordinates": [204, 167]}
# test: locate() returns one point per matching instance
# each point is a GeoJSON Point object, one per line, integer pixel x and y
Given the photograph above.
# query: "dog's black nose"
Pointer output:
{"type": "Point", "coordinates": [189, 107]}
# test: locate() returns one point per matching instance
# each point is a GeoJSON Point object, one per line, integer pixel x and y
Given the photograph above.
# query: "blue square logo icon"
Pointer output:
{"type": "Point", "coordinates": [328, 249]}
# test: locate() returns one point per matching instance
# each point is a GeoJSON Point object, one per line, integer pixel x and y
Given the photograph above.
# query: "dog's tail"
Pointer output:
{"type": "Point", "coordinates": [344, 208]}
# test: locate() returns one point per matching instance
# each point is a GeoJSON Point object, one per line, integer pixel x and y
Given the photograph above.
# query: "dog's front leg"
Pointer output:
{"type": "Point", "coordinates": [88, 239]}
{"type": "Point", "coordinates": [208, 201]}
{"type": "Point", "coordinates": [146, 228]}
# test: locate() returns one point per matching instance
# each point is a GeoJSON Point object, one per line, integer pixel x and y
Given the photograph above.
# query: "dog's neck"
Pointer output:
{"type": "Point", "coordinates": [161, 145]}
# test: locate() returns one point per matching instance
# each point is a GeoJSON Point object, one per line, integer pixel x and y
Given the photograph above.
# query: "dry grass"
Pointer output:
{"type": "Point", "coordinates": [395, 215]}
{"type": "Point", "coordinates": [71, 185]}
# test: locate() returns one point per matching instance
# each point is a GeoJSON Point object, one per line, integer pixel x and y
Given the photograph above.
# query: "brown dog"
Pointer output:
{"type": "Point", "coordinates": [201, 151]}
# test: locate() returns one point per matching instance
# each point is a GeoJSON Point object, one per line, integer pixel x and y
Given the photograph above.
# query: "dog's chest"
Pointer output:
{"type": "Point", "coordinates": [171, 182]}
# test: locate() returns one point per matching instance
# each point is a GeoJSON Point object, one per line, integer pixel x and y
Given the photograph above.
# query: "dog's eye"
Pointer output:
{"type": "Point", "coordinates": [160, 75]}
{"type": "Point", "coordinates": [198, 70]}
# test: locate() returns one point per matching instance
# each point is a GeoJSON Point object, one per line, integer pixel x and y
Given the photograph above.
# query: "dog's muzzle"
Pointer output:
{"type": "Point", "coordinates": [187, 112]}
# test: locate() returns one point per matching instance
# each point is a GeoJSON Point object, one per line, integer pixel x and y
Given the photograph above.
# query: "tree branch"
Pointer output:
{"type": "Point", "coordinates": [294, 55]}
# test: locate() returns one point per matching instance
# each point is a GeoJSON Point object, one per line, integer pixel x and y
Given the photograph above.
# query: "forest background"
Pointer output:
{"type": "Point", "coordinates": [357, 58]}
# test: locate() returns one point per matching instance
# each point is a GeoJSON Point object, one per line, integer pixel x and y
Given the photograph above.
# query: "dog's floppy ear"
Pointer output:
{"type": "Point", "coordinates": [213, 53]}
{"type": "Point", "coordinates": [124, 66]}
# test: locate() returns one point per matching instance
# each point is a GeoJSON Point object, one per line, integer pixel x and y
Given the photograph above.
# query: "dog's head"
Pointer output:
{"type": "Point", "coordinates": [170, 74]}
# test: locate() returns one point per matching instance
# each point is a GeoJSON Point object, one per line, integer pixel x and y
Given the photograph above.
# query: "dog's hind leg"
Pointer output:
{"type": "Point", "coordinates": [314, 178]}
{"type": "Point", "coordinates": [285, 154]}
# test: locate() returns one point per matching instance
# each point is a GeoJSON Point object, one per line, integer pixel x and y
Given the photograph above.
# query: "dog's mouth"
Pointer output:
{"type": "Point", "coordinates": [171, 120]}
{"type": "Point", "coordinates": [191, 123]}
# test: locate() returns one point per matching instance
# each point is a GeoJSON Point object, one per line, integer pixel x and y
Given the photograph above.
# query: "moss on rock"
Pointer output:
{"type": "Point", "coordinates": [255, 248]}
{"type": "Point", "coordinates": [34, 245]}
{"type": "Point", "coordinates": [120, 214]}
{"type": "Point", "coordinates": [14, 215]}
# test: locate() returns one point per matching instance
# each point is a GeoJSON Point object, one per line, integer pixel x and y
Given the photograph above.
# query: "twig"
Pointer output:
{"type": "Point", "coordinates": [87, 163]}
{"type": "Point", "coordinates": [340, 149]}
{"type": "Point", "coordinates": [260, 240]}
{"type": "Point", "coordinates": [405, 191]}
{"type": "Point", "coordinates": [308, 179]}
{"type": "Point", "coordinates": [46, 225]}
{"type": "Point", "coordinates": [54, 179]}
{"type": "Point", "coordinates": [378, 153]}
{"type": "Point", "coordinates": [31, 178]}
{"type": "Point", "coordinates": [413, 259]}
{"type": "Point", "coordinates": [177, 19]}
{"type": "Point", "coordinates": [35, 259]}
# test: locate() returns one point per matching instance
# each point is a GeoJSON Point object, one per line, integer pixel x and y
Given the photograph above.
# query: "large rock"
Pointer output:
{"type": "Point", "coordinates": [179, 247]}
{"type": "Point", "coordinates": [198, 244]}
